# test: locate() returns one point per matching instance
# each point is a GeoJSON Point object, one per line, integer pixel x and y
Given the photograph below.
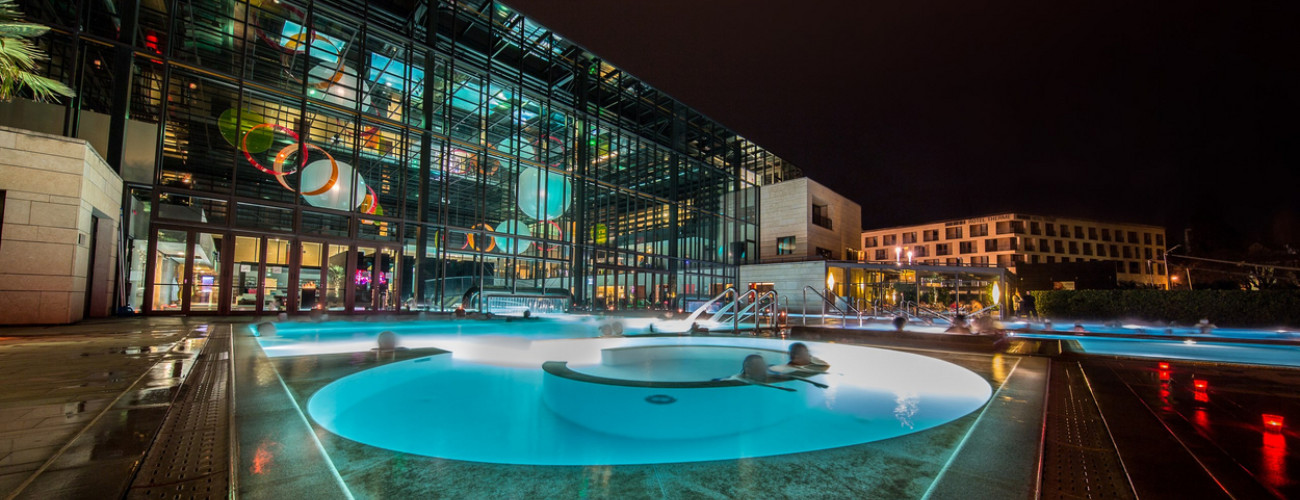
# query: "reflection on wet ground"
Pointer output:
{"type": "Point", "coordinates": [80, 404]}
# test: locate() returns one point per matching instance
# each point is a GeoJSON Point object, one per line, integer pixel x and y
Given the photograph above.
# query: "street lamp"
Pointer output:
{"type": "Point", "coordinates": [909, 257]}
{"type": "Point", "coordinates": [898, 255]}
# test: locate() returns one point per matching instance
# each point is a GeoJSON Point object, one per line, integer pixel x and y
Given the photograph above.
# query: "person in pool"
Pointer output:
{"type": "Point", "coordinates": [801, 362]}
{"type": "Point", "coordinates": [754, 371]}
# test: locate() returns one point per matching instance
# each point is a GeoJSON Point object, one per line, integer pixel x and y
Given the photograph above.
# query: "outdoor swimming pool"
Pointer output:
{"type": "Point", "coordinates": [611, 401]}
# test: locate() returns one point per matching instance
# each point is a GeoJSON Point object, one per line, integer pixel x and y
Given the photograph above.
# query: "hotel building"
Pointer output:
{"type": "Point", "coordinates": [1013, 239]}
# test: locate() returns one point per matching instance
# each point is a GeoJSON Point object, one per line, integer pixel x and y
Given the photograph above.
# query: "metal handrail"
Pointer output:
{"type": "Point", "coordinates": [844, 313]}
{"type": "Point", "coordinates": [700, 310]}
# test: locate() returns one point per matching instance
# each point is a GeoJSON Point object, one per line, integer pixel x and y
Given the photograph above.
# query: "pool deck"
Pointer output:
{"type": "Point", "coordinates": [84, 406]}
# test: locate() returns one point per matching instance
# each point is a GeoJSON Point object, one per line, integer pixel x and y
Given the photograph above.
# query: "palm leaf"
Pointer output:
{"type": "Point", "coordinates": [20, 29]}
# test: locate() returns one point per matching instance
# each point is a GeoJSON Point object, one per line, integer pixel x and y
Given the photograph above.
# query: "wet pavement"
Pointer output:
{"type": "Point", "coordinates": [80, 404]}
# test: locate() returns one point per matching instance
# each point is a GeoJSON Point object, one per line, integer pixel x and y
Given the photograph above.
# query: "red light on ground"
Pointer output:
{"type": "Point", "coordinates": [1272, 423]}
{"type": "Point", "coordinates": [1201, 397]}
{"type": "Point", "coordinates": [1201, 385]}
{"type": "Point", "coordinates": [1163, 365]}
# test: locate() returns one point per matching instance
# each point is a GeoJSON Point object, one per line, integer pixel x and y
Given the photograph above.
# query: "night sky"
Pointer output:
{"type": "Point", "coordinates": [1176, 113]}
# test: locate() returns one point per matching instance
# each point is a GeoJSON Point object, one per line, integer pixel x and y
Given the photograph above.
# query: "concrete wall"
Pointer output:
{"type": "Point", "coordinates": [788, 279]}
{"type": "Point", "coordinates": [48, 118]}
{"type": "Point", "coordinates": [54, 188]}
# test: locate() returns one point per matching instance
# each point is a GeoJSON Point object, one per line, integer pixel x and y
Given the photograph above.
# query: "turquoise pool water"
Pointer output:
{"type": "Point", "coordinates": [489, 400]}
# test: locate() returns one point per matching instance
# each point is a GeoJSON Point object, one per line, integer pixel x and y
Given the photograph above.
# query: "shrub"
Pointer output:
{"type": "Point", "coordinates": [1264, 308]}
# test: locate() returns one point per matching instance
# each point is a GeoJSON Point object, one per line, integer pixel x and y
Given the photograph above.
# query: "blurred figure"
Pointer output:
{"type": "Point", "coordinates": [899, 322]}
{"type": "Point", "coordinates": [958, 325]}
{"type": "Point", "coordinates": [1078, 328]}
{"type": "Point", "coordinates": [802, 361]}
{"type": "Point", "coordinates": [1205, 327]}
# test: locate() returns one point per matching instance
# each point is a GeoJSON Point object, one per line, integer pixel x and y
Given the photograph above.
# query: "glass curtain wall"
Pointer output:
{"type": "Point", "coordinates": [460, 145]}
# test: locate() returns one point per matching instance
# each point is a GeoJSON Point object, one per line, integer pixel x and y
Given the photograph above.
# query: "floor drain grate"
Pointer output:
{"type": "Point", "coordinates": [1079, 459]}
{"type": "Point", "coordinates": [190, 457]}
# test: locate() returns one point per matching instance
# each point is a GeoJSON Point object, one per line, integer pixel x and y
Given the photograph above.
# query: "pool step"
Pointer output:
{"type": "Point", "coordinates": [1079, 457]}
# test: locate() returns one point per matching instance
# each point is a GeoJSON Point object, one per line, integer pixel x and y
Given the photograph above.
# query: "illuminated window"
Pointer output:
{"type": "Point", "coordinates": [785, 245]}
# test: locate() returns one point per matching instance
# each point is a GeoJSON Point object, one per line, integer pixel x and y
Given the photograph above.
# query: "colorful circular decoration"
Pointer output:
{"type": "Point", "coordinates": [469, 239]}
{"type": "Point", "coordinates": [547, 230]}
{"type": "Point", "coordinates": [337, 85]}
{"type": "Point", "coordinates": [543, 195]}
{"type": "Point", "coordinates": [513, 245]}
{"type": "Point", "coordinates": [242, 133]}
{"type": "Point", "coordinates": [334, 183]}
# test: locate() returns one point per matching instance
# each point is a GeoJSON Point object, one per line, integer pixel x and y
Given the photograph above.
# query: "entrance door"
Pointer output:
{"type": "Point", "coordinates": [186, 273]}
{"type": "Point", "coordinates": [262, 274]}
{"type": "Point", "coordinates": [374, 283]}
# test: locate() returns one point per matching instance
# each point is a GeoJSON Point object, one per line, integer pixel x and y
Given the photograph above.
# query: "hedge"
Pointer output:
{"type": "Point", "coordinates": [1265, 308]}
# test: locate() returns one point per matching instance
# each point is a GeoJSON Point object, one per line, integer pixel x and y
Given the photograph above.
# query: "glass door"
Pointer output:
{"type": "Point", "coordinates": [311, 288]}
{"type": "Point", "coordinates": [246, 273]}
{"type": "Point", "coordinates": [186, 272]}
{"type": "Point", "coordinates": [275, 279]}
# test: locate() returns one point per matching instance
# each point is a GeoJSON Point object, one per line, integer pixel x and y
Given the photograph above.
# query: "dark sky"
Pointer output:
{"type": "Point", "coordinates": [1172, 113]}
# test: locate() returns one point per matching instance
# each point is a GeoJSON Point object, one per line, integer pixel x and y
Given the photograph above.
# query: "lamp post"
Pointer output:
{"type": "Point", "coordinates": [898, 256]}
{"type": "Point", "coordinates": [1165, 256]}
{"type": "Point", "coordinates": [909, 257]}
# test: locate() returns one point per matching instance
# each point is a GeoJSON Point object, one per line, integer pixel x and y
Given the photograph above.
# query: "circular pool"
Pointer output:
{"type": "Point", "coordinates": [638, 401]}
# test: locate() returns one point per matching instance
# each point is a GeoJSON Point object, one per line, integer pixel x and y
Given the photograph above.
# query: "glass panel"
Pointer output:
{"type": "Point", "coordinates": [138, 243]}
{"type": "Point", "coordinates": [364, 280]}
{"type": "Point", "coordinates": [169, 270]}
{"type": "Point", "coordinates": [275, 286]}
{"type": "Point", "coordinates": [336, 277]}
{"type": "Point", "coordinates": [248, 253]}
{"type": "Point", "coordinates": [309, 275]}
{"type": "Point", "coordinates": [206, 275]}
{"type": "Point", "coordinates": [385, 278]}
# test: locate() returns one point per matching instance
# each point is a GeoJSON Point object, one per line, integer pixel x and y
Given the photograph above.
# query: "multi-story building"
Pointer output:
{"type": "Point", "coordinates": [1008, 240]}
{"type": "Point", "coordinates": [388, 155]}
{"type": "Point", "coordinates": [802, 218]}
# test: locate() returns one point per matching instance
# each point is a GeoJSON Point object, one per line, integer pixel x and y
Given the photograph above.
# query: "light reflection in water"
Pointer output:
{"type": "Point", "coordinates": [905, 407]}
{"type": "Point", "coordinates": [1273, 459]}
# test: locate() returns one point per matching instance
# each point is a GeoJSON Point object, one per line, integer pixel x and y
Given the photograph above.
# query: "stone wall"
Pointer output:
{"type": "Point", "coordinates": [55, 188]}
{"type": "Point", "coordinates": [788, 279]}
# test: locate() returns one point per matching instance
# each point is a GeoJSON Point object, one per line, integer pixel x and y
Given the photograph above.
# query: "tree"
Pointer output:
{"type": "Point", "coordinates": [19, 55]}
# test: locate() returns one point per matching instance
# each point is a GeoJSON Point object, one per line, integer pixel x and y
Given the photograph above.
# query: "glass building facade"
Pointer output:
{"type": "Point", "coordinates": [393, 156]}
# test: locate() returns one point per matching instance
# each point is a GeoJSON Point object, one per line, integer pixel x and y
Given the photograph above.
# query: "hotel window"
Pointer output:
{"type": "Point", "coordinates": [1160, 268]}
{"type": "Point", "coordinates": [1101, 250]}
{"type": "Point", "coordinates": [1051, 230]}
{"type": "Point", "coordinates": [1092, 233]}
{"type": "Point", "coordinates": [952, 233]}
{"type": "Point", "coordinates": [1146, 238]}
{"type": "Point", "coordinates": [1043, 245]}
{"type": "Point", "coordinates": [1051, 259]}
{"type": "Point", "coordinates": [1035, 229]}
{"type": "Point", "coordinates": [785, 245]}
{"type": "Point", "coordinates": [1078, 232]}
{"type": "Point", "coordinates": [1146, 253]}
{"type": "Point", "coordinates": [1134, 268]}
{"type": "Point", "coordinates": [880, 255]}
{"type": "Point", "coordinates": [1029, 245]}
{"type": "Point", "coordinates": [953, 262]}
{"type": "Point", "coordinates": [1114, 250]}
{"type": "Point", "coordinates": [1160, 240]}
{"type": "Point", "coordinates": [990, 245]}
{"type": "Point", "coordinates": [966, 247]}
{"type": "Point", "coordinates": [1087, 248]}
{"type": "Point", "coordinates": [821, 216]}
{"type": "Point", "coordinates": [921, 251]}
{"type": "Point", "coordinates": [1004, 260]}
{"type": "Point", "coordinates": [909, 238]}
{"type": "Point", "coordinates": [870, 242]}
{"type": "Point", "coordinates": [889, 239]}
{"type": "Point", "coordinates": [825, 254]}
{"type": "Point", "coordinates": [1074, 248]}
{"type": "Point", "coordinates": [1010, 227]}
{"type": "Point", "coordinates": [1065, 231]}
{"type": "Point", "coordinates": [980, 260]}
{"type": "Point", "coordinates": [943, 249]}
{"type": "Point", "coordinates": [1033, 259]}
{"type": "Point", "coordinates": [1133, 237]}
{"type": "Point", "coordinates": [1058, 246]}
{"type": "Point", "coordinates": [930, 235]}
{"type": "Point", "coordinates": [1128, 252]}
{"type": "Point", "coordinates": [1105, 234]}
{"type": "Point", "coordinates": [979, 230]}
